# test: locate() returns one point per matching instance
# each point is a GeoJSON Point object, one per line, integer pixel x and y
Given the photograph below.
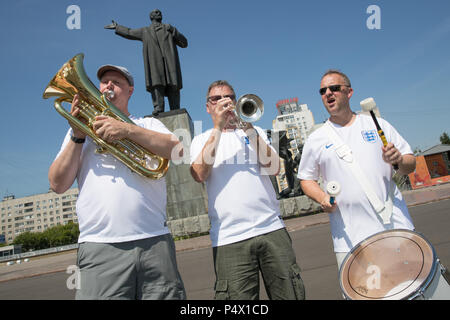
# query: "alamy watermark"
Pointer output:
{"type": "Point", "coordinates": [374, 280]}
{"type": "Point", "coordinates": [74, 20]}
{"type": "Point", "coordinates": [73, 281]}
{"type": "Point", "coordinates": [252, 154]}
{"type": "Point", "coordinates": [373, 22]}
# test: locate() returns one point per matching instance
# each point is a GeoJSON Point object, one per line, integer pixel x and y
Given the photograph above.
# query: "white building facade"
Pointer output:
{"type": "Point", "coordinates": [296, 119]}
{"type": "Point", "coordinates": [36, 213]}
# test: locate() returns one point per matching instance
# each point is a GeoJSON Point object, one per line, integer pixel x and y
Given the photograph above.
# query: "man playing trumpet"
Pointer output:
{"type": "Point", "coordinates": [247, 232]}
{"type": "Point", "coordinates": [125, 248]}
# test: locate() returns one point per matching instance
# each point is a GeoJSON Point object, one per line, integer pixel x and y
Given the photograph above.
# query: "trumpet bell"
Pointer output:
{"type": "Point", "coordinates": [249, 108]}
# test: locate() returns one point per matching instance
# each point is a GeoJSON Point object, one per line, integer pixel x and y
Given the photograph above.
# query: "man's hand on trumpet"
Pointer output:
{"type": "Point", "coordinates": [222, 112]}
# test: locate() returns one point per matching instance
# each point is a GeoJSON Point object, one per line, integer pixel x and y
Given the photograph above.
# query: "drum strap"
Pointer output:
{"type": "Point", "coordinates": [383, 209]}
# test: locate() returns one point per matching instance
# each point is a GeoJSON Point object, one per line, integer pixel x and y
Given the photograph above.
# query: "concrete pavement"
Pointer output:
{"type": "Point", "coordinates": [411, 197]}
{"type": "Point", "coordinates": [59, 262]}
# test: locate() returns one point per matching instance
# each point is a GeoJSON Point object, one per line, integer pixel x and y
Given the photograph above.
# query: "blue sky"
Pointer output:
{"type": "Point", "coordinates": [275, 49]}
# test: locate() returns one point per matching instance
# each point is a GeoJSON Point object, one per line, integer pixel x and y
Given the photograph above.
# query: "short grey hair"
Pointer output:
{"type": "Point", "coordinates": [335, 71]}
{"type": "Point", "coordinates": [219, 83]}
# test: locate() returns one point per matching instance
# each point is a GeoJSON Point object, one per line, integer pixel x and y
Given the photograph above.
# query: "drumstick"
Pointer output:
{"type": "Point", "coordinates": [333, 189]}
{"type": "Point", "coordinates": [369, 105]}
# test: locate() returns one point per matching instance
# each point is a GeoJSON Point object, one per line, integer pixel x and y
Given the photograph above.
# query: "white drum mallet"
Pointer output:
{"type": "Point", "coordinates": [369, 105]}
{"type": "Point", "coordinates": [333, 189]}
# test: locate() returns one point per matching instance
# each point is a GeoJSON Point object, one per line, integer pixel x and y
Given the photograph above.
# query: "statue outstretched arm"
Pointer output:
{"type": "Point", "coordinates": [131, 34]}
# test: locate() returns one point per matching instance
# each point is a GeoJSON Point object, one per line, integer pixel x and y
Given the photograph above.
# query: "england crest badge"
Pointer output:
{"type": "Point", "coordinates": [369, 135]}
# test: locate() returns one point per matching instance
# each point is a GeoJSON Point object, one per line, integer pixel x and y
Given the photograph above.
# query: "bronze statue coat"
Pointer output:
{"type": "Point", "coordinates": [161, 61]}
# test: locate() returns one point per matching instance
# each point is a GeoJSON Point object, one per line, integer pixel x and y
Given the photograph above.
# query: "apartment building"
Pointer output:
{"type": "Point", "coordinates": [36, 213]}
{"type": "Point", "coordinates": [296, 119]}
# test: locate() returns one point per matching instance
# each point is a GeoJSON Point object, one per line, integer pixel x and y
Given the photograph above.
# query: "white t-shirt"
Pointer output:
{"type": "Point", "coordinates": [241, 199]}
{"type": "Point", "coordinates": [355, 219]}
{"type": "Point", "coordinates": [114, 203]}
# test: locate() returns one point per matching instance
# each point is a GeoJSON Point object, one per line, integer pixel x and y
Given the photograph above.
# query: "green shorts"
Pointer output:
{"type": "Point", "coordinates": [141, 269]}
{"type": "Point", "coordinates": [237, 267]}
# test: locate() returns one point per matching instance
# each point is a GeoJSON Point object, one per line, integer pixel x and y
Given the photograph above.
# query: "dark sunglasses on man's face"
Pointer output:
{"type": "Point", "coordinates": [214, 99]}
{"type": "Point", "coordinates": [333, 88]}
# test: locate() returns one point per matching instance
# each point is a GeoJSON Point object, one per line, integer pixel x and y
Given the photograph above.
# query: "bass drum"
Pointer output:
{"type": "Point", "coordinates": [393, 265]}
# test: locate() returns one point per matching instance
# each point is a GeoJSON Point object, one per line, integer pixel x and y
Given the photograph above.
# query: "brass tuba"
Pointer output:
{"type": "Point", "coordinates": [71, 79]}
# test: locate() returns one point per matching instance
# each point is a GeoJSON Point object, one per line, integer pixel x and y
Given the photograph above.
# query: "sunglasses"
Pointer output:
{"type": "Point", "coordinates": [333, 88]}
{"type": "Point", "coordinates": [214, 99]}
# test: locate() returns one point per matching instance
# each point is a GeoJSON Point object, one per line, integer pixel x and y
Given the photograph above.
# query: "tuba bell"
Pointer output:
{"type": "Point", "coordinates": [71, 79]}
{"type": "Point", "coordinates": [248, 108]}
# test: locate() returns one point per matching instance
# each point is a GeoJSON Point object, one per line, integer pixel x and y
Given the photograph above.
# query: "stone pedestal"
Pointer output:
{"type": "Point", "coordinates": [187, 204]}
{"type": "Point", "coordinates": [299, 205]}
{"type": "Point", "coordinates": [296, 206]}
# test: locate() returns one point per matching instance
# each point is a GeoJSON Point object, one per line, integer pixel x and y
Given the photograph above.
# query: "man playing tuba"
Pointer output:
{"type": "Point", "coordinates": [125, 248]}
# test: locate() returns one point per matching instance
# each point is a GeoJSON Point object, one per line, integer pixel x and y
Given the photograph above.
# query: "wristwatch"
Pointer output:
{"type": "Point", "coordinates": [77, 140]}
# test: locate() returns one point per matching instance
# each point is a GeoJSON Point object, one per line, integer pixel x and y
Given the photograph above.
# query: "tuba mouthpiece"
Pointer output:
{"type": "Point", "coordinates": [109, 94]}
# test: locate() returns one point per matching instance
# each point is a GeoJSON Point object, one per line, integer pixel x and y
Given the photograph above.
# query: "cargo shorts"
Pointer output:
{"type": "Point", "coordinates": [237, 268]}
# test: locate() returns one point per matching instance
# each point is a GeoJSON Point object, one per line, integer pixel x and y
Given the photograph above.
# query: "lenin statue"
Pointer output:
{"type": "Point", "coordinates": [161, 62]}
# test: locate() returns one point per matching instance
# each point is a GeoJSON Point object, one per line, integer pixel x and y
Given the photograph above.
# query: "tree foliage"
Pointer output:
{"type": "Point", "coordinates": [52, 237]}
{"type": "Point", "coordinates": [445, 139]}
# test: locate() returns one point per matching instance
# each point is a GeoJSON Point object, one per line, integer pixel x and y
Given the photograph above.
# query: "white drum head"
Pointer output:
{"type": "Point", "coordinates": [391, 264]}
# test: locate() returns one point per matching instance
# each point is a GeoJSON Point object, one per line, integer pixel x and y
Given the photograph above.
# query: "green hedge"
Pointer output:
{"type": "Point", "coordinates": [52, 237]}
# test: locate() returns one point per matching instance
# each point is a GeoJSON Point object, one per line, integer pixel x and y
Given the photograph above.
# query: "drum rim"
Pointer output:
{"type": "Point", "coordinates": [422, 286]}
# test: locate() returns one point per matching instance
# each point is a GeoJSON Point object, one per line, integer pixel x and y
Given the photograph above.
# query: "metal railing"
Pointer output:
{"type": "Point", "coordinates": [20, 256]}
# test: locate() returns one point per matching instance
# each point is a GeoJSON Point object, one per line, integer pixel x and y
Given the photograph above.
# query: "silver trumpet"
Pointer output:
{"type": "Point", "coordinates": [248, 108]}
